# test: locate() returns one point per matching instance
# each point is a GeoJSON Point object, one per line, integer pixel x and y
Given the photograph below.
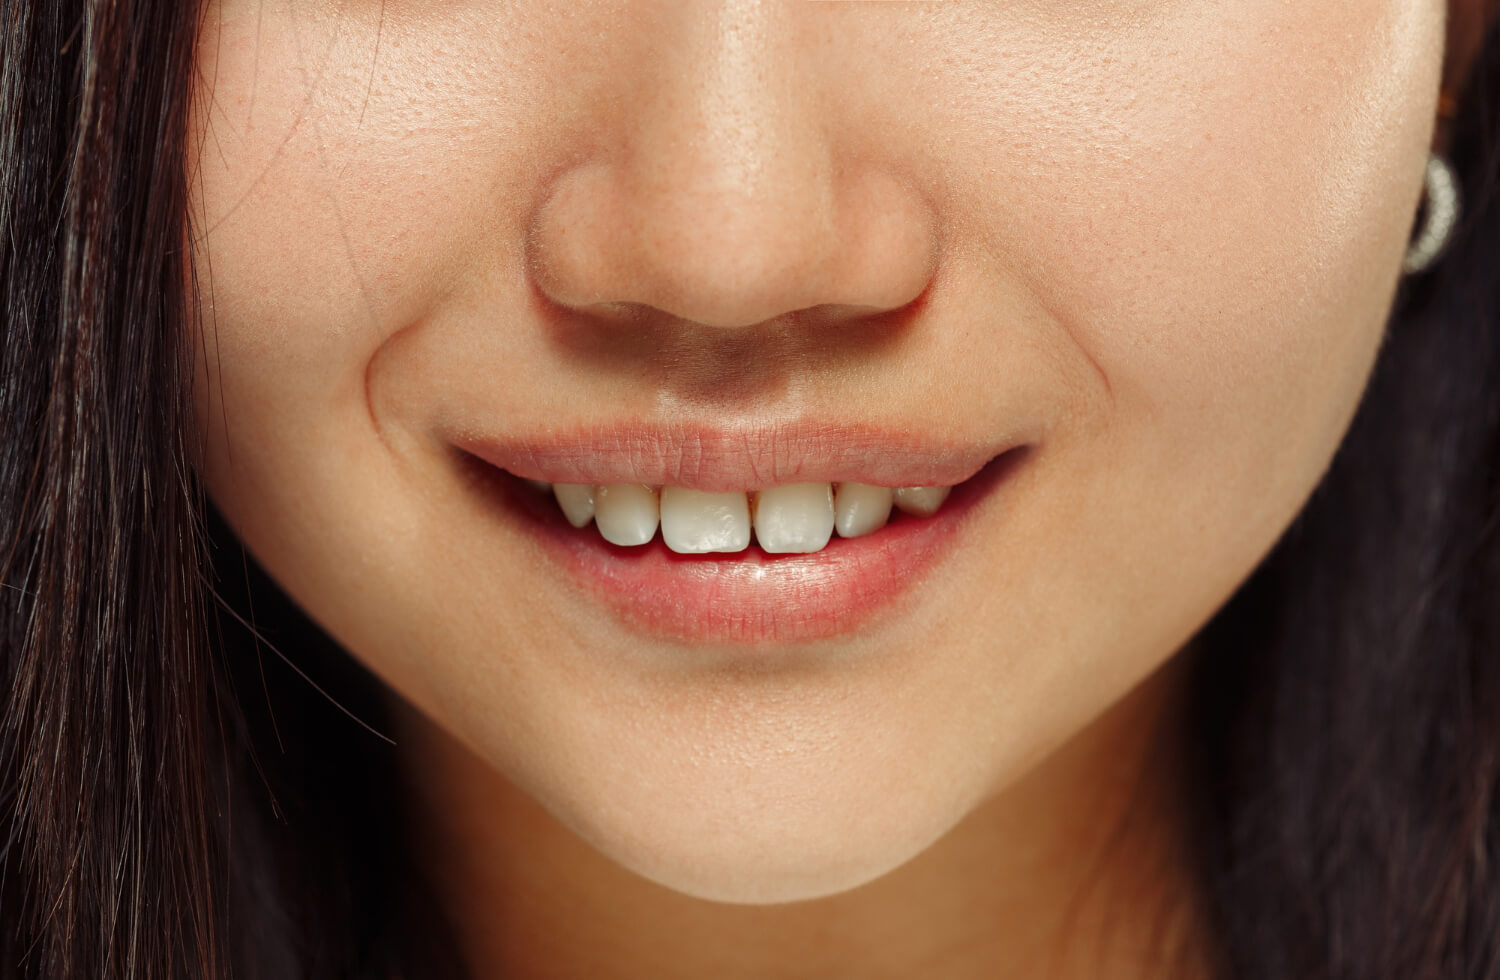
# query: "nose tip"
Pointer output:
{"type": "Point", "coordinates": [727, 190]}
{"type": "Point", "coordinates": [690, 241]}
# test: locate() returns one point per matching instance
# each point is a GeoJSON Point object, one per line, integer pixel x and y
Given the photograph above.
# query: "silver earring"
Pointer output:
{"type": "Point", "coordinates": [1439, 219]}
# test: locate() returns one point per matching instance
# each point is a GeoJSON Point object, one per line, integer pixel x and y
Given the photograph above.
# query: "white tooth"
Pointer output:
{"type": "Point", "coordinates": [694, 522]}
{"type": "Point", "coordinates": [921, 501]}
{"type": "Point", "coordinates": [576, 501]}
{"type": "Point", "coordinates": [795, 518]}
{"type": "Point", "coordinates": [626, 513]}
{"type": "Point", "coordinates": [859, 508]}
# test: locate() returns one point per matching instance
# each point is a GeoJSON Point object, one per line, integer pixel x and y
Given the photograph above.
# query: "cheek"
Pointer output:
{"type": "Point", "coordinates": [345, 177]}
{"type": "Point", "coordinates": [1251, 264]}
{"type": "Point", "coordinates": [1231, 248]}
{"type": "Point", "coordinates": [1220, 239]}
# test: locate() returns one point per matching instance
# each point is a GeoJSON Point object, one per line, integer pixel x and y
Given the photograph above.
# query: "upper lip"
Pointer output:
{"type": "Point", "coordinates": [721, 458]}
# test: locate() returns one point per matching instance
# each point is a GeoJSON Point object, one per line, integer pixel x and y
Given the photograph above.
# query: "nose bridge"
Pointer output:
{"type": "Point", "coordinates": [724, 200]}
{"type": "Point", "coordinates": [745, 101]}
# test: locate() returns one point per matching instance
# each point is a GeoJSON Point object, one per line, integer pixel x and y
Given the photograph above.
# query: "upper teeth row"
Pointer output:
{"type": "Point", "coordinates": [797, 517]}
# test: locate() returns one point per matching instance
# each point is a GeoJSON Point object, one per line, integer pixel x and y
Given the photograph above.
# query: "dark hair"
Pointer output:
{"type": "Point", "coordinates": [182, 800]}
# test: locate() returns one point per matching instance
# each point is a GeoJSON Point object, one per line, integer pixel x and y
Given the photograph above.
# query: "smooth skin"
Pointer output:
{"type": "Point", "coordinates": [1160, 236]}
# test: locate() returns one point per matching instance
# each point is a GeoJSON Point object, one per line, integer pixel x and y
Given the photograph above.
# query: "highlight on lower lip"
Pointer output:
{"type": "Point", "coordinates": [751, 597]}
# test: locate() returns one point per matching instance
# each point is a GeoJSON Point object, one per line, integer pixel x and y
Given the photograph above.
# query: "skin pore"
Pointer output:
{"type": "Point", "coordinates": [1157, 239]}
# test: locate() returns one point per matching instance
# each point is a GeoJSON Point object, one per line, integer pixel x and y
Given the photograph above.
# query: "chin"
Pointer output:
{"type": "Point", "coordinates": [776, 853]}
{"type": "Point", "coordinates": [738, 873]}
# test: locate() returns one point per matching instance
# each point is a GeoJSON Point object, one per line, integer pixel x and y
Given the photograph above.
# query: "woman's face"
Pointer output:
{"type": "Point", "coordinates": [1147, 244]}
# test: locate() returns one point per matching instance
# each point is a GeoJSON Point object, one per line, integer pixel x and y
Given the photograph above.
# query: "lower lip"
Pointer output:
{"type": "Point", "coordinates": [751, 597]}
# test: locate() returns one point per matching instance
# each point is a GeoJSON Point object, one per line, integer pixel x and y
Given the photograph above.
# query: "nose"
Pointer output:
{"type": "Point", "coordinates": [722, 192]}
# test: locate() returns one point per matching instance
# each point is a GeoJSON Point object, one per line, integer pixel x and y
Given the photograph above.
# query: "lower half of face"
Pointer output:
{"type": "Point", "coordinates": [1115, 274]}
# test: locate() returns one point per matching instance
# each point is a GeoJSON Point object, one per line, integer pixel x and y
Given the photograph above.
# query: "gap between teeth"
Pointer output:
{"type": "Point", "coordinates": [795, 518]}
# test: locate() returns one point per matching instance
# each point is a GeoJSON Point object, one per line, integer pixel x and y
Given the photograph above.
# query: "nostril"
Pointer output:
{"type": "Point", "coordinates": [607, 243]}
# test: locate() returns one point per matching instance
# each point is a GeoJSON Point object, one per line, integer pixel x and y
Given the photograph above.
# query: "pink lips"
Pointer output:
{"type": "Point", "coordinates": [719, 458]}
{"type": "Point", "coordinates": [751, 597]}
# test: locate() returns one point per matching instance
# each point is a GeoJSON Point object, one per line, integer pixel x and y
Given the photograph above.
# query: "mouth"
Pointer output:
{"type": "Point", "coordinates": [677, 556]}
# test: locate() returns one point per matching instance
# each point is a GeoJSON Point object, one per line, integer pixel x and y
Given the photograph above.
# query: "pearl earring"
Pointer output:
{"type": "Point", "coordinates": [1440, 216]}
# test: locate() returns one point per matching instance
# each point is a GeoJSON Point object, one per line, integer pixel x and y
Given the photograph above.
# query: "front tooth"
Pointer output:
{"type": "Point", "coordinates": [576, 501]}
{"type": "Point", "coordinates": [626, 513]}
{"type": "Point", "coordinates": [695, 522]}
{"type": "Point", "coordinates": [797, 517]}
{"type": "Point", "coordinates": [859, 508]}
{"type": "Point", "coordinates": [921, 501]}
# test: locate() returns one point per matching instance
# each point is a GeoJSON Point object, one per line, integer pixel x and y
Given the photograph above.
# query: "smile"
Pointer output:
{"type": "Point", "coordinates": [797, 518]}
{"type": "Point", "coordinates": [677, 556]}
